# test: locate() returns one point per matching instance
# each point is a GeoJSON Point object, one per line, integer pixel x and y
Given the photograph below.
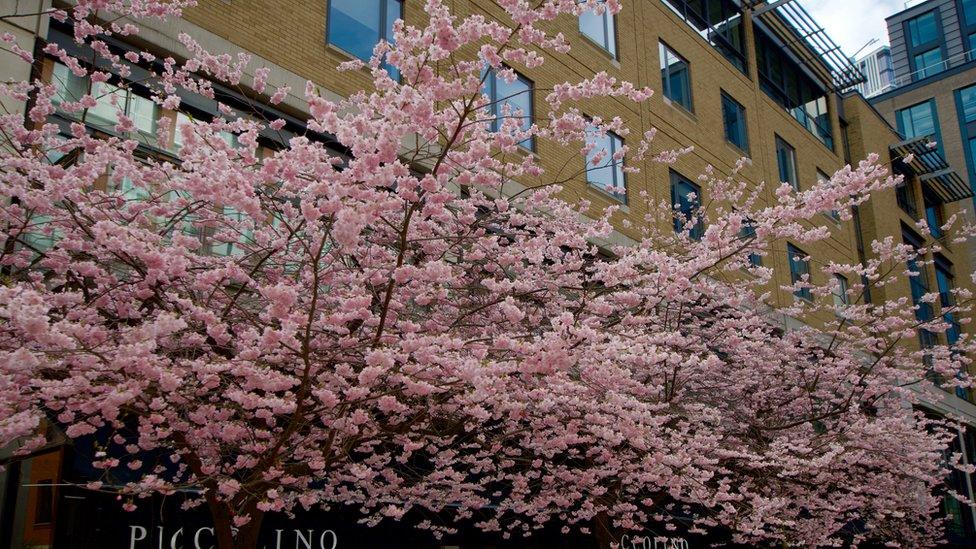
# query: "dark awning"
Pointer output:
{"type": "Point", "coordinates": [932, 169]}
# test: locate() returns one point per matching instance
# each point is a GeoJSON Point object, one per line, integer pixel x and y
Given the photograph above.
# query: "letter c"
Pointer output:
{"type": "Point", "coordinates": [196, 537]}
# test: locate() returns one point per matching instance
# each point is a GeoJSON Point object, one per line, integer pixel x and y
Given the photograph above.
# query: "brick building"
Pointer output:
{"type": "Point", "coordinates": [734, 78]}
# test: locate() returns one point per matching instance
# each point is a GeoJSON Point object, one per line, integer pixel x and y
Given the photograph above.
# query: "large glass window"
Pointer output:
{"type": "Point", "coordinates": [925, 41]}
{"type": "Point", "coordinates": [841, 297]}
{"type": "Point", "coordinates": [606, 174]}
{"type": "Point", "coordinates": [601, 28]}
{"type": "Point", "coordinates": [734, 119]}
{"type": "Point", "coordinates": [686, 200]}
{"type": "Point", "coordinates": [823, 178]}
{"type": "Point", "coordinates": [356, 26]}
{"type": "Point", "coordinates": [675, 76]}
{"type": "Point", "coordinates": [782, 79]}
{"type": "Point", "coordinates": [747, 234]}
{"type": "Point", "coordinates": [921, 120]}
{"type": "Point", "coordinates": [946, 280]}
{"type": "Point", "coordinates": [966, 108]}
{"type": "Point", "coordinates": [968, 11]}
{"type": "Point", "coordinates": [510, 99]}
{"type": "Point", "coordinates": [799, 270]}
{"type": "Point", "coordinates": [110, 99]}
{"type": "Point", "coordinates": [717, 21]}
{"type": "Point", "coordinates": [919, 285]}
{"type": "Point", "coordinates": [786, 162]}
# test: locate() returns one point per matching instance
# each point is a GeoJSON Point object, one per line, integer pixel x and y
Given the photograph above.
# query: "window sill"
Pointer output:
{"type": "Point", "coordinates": [348, 56]}
{"type": "Point", "coordinates": [603, 51]}
{"type": "Point", "coordinates": [621, 202]}
{"type": "Point", "coordinates": [738, 150]}
{"type": "Point", "coordinates": [680, 108]}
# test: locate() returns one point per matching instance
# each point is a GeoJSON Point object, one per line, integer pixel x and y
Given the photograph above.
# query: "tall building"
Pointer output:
{"type": "Point", "coordinates": [734, 78]}
{"type": "Point", "coordinates": [879, 75]}
{"type": "Point", "coordinates": [933, 52]}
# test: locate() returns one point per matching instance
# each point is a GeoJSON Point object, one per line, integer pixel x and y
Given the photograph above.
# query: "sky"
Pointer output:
{"type": "Point", "coordinates": [851, 23]}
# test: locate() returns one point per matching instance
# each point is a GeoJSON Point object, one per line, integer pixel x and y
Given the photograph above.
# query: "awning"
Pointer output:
{"type": "Point", "coordinates": [932, 169]}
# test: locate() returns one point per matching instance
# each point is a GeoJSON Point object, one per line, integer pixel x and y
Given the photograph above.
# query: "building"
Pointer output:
{"type": "Point", "coordinates": [933, 52]}
{"type": "Point", "coordinates": [765, 73]}
{"type": "Point", "coordinates": [877, 70]}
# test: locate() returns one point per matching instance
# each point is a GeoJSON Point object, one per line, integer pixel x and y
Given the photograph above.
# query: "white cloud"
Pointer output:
{"type": "Point", "coordinates": [852, 23]}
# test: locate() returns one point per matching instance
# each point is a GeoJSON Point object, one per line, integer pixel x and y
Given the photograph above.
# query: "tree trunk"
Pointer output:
{"type": "Point", "coordinates": [231, 537]}
{"type": "Point", "coordinates": [604, 532]}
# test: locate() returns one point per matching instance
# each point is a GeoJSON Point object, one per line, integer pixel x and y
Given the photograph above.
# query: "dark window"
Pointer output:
{"type": "Point", "coordinates": [799, 266]}
{"type": "Point", "coordinates": [356, 26]}
{"type": "Point", "coordinates": [786, 161]}
{"type": "Point", "coordinates": [967, 25]}
{"type": "Point", "coordinates": [906, 197]}
{"type": "Point", "coordinates": [926, 44]}
{"type": "Point", "coordinates": [734, 118]}
{"type": "Point", "coordinates": [44, 505]}
{"type": "Point", "coordinates": [719, 22]}
{"type": "Point", "coordinates": [608, 173]}
{"type": "Point", "coordinates": [686, 199]}
{"type": "Point", "coordinates": [601, 29]}
{"type": "Point", "coordinates": [966, 109]}
{"type": "Point", "coordinates": [968, 12]}
{"type": "Point", "coordinates": [934, 213]}
{"type": "Point", "coordinates": [782, 79]}
{"type": "Point", "coordinates": [510, 99]}
{"type": "Point", "coordinates": [675, 76]}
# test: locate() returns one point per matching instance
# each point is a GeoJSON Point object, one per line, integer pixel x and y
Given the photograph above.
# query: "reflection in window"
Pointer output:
{"type": "Point", "coordinates": [717, 21]}
{"type": "Point", "coordinates": [356, 26]}
{"type": "Point", "coordinates": [799, 271]}
{"type": "Point", "coordinates": [734, 120]}
{"type": "Point", "coordinates": [111, 100]}
{"type": "Point", "coordinates": [786, 161]}
{"type": "Point", "coordinates": [675, 77]}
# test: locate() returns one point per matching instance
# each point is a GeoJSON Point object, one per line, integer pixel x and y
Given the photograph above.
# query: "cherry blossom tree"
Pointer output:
{"type": "Point", "coordinates": [388, 319]}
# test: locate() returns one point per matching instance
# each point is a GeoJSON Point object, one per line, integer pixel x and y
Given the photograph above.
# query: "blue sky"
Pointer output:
{"type": "Point", "coordinates": [851, 23]}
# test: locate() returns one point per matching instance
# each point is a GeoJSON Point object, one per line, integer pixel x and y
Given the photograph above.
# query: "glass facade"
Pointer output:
{"type": "Point", "coordinates": [675, 77]}
{"type": "Point", "coordinates": [734, 120]}
{"type": "Point", "coordinates": [782, 79]}
{"type": "Point", "coordinates": [921, 120]}
{"type": "Point", "coordinates": [926, 43]}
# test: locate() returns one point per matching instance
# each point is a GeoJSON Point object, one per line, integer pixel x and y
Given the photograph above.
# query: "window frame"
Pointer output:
{"type": "Point", "coordinates": [841, 298]}
{"type": "Point", "coordinates": [782, 144]}
{"type": "Point", "coordinates": [936, 134]}
{"type": "Point", "coordinates": [737, 56]}
{"type": "Point", "coordinates": [727, 99]}
{"type": "Point", "coordinates": [967, 129]}
{"type": "Point", "coordinates": [666, 75]}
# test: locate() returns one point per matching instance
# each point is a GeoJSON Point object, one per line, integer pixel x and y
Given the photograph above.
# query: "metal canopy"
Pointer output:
{"type": "Point", "coordinates": [843, 72]}
{"type": "Point", "coordinates": [932, 169]}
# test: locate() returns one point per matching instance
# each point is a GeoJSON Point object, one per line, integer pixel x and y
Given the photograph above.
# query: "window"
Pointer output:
{"type": "Point", "coordinates": [934, 213]}
{"type": "Point", "coordinates": [919, 285]}
{"type": "Point", "coordinates": [356, 26]}
{"type": "Point", "coordinates": [946, 280]}
{"type": "Point", "coordinates": [928, 63]}
{"type": "Point", "coordinates": [686, 199]}
{"type": "Point", "coordinates": [786, 161]}
{"type": "Point", "coordinates": [968, 11]}
{"type": "Point", "coordinates": [111, 100]}
{"type": "Point", "coordinates": [823, 178]}
{"type": "Point", "coordinates": [906, 197]}
{"type": "Point", "coordinates": [971, 46]}
{"type": "Point", "coordinates": [717, 21]}
{"type": "Point", "coordinates": [967, 24]}
{"type": "Point", "coordinates": [799, 270]}
{"type": "Point", "coordinates": [924, 38]}
{"type": "Point", "coordinates": [606, 174]}
{"type": "Point", "coordinates": [784, 81]}
{"type": "Point", "coordinates": [734, 118]}
{"type": "Point", "coordinates": [675, 77]}
{"type": "Point", "coordinates": [920, 120]}
{"type": "Point", "coordinates": [601, 29]}
{"type": "Point", "coordinates": [746, 234]}
{"type": "Point", "coordinates": [514, 97]}
{"type": "Point", "coordinates": [841, 298]}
